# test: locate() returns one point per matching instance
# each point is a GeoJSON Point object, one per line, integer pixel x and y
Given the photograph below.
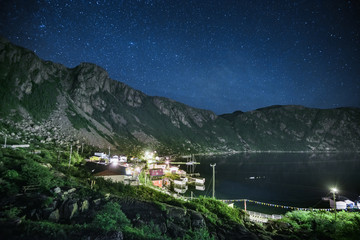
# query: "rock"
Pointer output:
{"type": "Point", "coordinates": [282, 225]}
{"type": "Point", "coordinates": [54, 216]}
{"type": "Point", "coordinates": [47, 165]}
{"type": "Point", "coordinates": [177, 215]}
{"type": "Point", "coordinates": [175, 231]}
{"type": "Point", "coordinates": [197, 220]}
{"type": "Point", "coordinates": [84, 206]}
{"type": "Point", "coordinates": [70, 209]}
{"type": "Point", "coordinates": [71, 190]}
{"type": "Point", "coordinates": [111, 236]}
{"type": "Point", "coordinates": [97, 201]}
{"type": "Point", "coordinates": [57, 190]}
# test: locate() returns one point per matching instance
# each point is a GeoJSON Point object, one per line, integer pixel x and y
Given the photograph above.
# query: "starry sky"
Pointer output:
{"type": "Point", "coordinates": [218, 55]}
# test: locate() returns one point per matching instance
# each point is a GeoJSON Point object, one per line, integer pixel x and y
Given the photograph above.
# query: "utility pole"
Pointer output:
{"type": "Point", "coordinates": [334, 190]}
{"type": "Point", "coordinates": [82, 148]}
{"type": "Point", "coordinates": [213, 191]}
{"type": "Point", "coordinates": [109, 152]}
{"type": "Point", "coordinates": [70, 155]}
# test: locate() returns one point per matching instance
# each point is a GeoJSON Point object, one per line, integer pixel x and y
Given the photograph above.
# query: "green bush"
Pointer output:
{"type": "Point", "coordinates": [12, 175]}
{"type": "Point", "coordinates": [216, 211]}
{"type": "Point", "coordinates": [49, 230]}
{"type": "Point", "coordinates": [35, 174]}
{"type": "Point", "coordinates": [8, 188]}
{"type": "Point", "coordinates": [12, 212]}
{"type": "Point", "coordinates": [322, 224]}
{"type": "Point", "coordinates": [145, 232]}
{"type": "Point", "coordinates": [199, 234]}
{"type": "Point", "coordinates": [110, 218]}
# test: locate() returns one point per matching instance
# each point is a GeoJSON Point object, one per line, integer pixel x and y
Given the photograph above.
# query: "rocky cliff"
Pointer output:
{"type": "Point", "coordinates": [61, 105]}
{"type": "Point", "coordinates": [296, 128]}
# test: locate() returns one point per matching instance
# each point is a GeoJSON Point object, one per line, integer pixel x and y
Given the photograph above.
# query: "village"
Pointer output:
{"type": "Point", "coordinates": [161, 173]}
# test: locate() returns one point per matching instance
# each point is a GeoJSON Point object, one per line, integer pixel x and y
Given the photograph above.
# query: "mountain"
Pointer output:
{"type": "Point", "coordinates": [296, 128]}
{"type": "Point", "coordinates": [54, 104]}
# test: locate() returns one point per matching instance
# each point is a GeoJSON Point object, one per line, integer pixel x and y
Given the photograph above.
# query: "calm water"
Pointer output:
{"type": "Point", "coordinates": [292, 179]}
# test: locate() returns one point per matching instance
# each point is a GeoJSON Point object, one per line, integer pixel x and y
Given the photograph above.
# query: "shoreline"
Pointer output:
{"type": "Point", "coordinates": [271, 151]}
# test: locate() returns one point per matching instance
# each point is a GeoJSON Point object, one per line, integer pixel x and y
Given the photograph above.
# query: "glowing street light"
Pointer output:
{"type": "Point", "coordinates": [149, 155]}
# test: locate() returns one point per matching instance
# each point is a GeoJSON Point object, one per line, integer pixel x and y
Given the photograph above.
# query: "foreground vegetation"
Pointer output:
{"type": "Point", "coordinates": [22, 212]}
{"type": "Point", "coordinates": [322, 225]}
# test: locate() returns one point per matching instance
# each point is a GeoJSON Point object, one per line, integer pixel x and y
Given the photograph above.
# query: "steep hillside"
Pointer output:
{"type": "Point", "coordinates": [296, 128]}
{"type": "Point", "coordinates": [58, 105]}
{"type": "Point", "coordinates": [63, 105]}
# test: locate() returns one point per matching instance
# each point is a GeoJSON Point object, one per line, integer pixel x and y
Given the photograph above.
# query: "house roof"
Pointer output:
{"type": "Point", "coordinates": [107, 173]}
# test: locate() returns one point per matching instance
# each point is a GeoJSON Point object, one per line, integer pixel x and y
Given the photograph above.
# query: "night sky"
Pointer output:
{"type": "Point", "coordinates": [217, 55]}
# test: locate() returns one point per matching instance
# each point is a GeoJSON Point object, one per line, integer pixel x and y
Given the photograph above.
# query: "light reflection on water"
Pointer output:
{"type": "Point", "coordinates": [292, 179]}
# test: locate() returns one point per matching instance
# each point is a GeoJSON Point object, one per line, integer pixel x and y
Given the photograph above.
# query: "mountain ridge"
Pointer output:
{"type": "Point", "coordinates": [84, 104]}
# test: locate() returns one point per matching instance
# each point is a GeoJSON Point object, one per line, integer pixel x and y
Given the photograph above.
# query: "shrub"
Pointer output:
{"type": "Point", "coordinates": [12, 212]}
{"type": "Point", "coordinates": [199, 234]}
{"type": "Point", "coordinates": [216, 211]}
{"type": "Point", "coordinates": [110, 218]}
{"type": "Point", "coordinates": [35, 174]}
{"type": "Point", "coordinates": [145, 232]}
{"type": "Point", "coordinates": [12, 175]}
{"type": "Point", "coordinates": [323, 225]}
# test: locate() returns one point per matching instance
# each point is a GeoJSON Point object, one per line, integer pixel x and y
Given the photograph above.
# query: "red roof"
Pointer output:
{"type": "Point", "coordinates": [156, 172]}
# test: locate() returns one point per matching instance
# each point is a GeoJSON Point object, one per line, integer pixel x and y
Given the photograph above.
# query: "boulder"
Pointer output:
{"type": "Point", "coordinates": [54, 216]}
{"type": "Point", "coordinates": [57, 190]}
{"type": "Point", "coordinates": [71, 190]}
{"type": "Point", "coordinates": [84, 206]}
{"type": "Point", "coordinates": [70, 209]}
{"type": "Point", "coordinates": [177, 215]}
{"type": "Point", "coordinates": [97, 201]}
{"type": "Point", "coordinates": [111, 236]}
{"type": "Point", "coordinates": [197, 220]}
{"type": "Point", "coordinates": [175, 231]}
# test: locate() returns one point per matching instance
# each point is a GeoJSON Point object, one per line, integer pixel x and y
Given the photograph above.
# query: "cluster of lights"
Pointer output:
{"type": "Point", "coordinates": [149, 155]}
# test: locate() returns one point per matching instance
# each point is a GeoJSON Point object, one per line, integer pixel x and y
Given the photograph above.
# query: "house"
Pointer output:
{"type": "Point", "coordinates": [157, 183]}
{"type": "Point", "coordinates": [101, 155]}
{"type": "Point", "coordinates": [19, 146]}
{"type": "Point", "coordinates": [156, 172]}
{"type": "Point", "coordinates": [167, 182]}
{"type": "Point", "coordinates": [94, 158]}
{"type": "Point", "coordinates": [114, 176]}
{"type": "Point", "coordinates": [174, 169]}
{"type": "Point", "coordinates": [122, 158]}
{"type": "Point", "coordinates": [114, 159]}
{"type": "Point", "coordinates": [162, 166]}
{"type": "Point", "coordinates": [341, 203]}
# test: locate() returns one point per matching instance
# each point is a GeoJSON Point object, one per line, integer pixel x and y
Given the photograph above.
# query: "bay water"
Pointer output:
{"type": "Point", "coordinates": [288, 179]}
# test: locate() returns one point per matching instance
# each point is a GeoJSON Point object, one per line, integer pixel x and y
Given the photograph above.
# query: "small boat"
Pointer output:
{"type": "Point", "coordinates": [180, 182]}
{"type": "Point", "coordinates": [181, 190]}
{"type": "Point", "coordinates": [199, 180]}
{"type": "Point", "coordinates": [200, 187]}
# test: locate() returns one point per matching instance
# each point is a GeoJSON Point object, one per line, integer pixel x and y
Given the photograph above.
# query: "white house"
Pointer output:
{"type": "Point", "coordinates": [341, 203]}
